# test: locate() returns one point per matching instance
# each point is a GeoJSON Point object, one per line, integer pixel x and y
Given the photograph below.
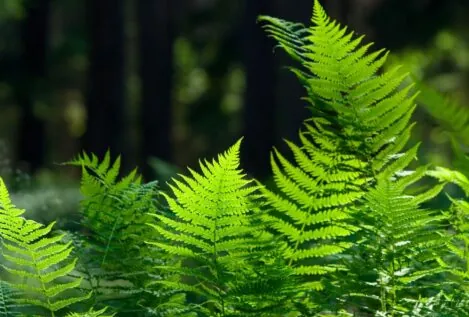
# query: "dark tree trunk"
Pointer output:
{"type": "Point", "coordinates": [106, 80]}
{"type": "Point", "coordinates": [156, 68]}
{"type": "Point", "coordinates": [260, 105]}
{"type": "Point", "coordinates": [34, 38]}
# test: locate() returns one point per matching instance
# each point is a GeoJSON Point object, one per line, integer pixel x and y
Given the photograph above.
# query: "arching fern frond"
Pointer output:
{"type": "Point", "coordinates": [216, 238]}
{"type": "Point", "coordinates": [37, 259]}
{"type": "Point", "coordinates": [366, 111]}
{"type": "Point", "coordinates": [357, 136]}
{"type": "Point", "coordinates": [359, 127]}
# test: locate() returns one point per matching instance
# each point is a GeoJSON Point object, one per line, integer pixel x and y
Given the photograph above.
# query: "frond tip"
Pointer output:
{"type": "Point", "coordinates": [216, 228]}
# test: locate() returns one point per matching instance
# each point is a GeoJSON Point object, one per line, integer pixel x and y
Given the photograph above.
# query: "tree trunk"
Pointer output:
{"type": "Point", "coordinates": [156, 68]}
{"type": "Point", "coordinates": [260, 103]}
{"type": "Point", "coordinates": [34, 38]}
{"type": "Point", "coordinates": [106, 124]}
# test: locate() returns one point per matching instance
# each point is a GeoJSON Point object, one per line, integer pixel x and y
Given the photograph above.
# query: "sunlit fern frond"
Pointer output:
{"type": "Point", "coordinates": [214, 236]}
{"type": "Point", "coordinates": [358, 132]}
{"type": "Point", "coordinates": [92, 313]}
{"type": "Point", "coordinates": [314, 203]}
{"type": "Point", "coordinates": [367, 112]}
{"type": "Point", "coordinates": [38, 261]}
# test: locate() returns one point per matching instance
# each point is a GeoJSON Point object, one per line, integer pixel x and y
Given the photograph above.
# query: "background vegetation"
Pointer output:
{"type": "Point", "coordinates": [181, 79]}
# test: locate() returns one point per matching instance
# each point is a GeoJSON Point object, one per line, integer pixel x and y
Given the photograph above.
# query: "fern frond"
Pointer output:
{"type": "Point", "coordinates": [400, 247]}
{"type": "Point", "coordinates": [39, 259]}
{"type": "Point", "coordinates": [115, 212]}
{"type": "Point", "coordinates": [91, 313]}
{"type": "Point", "coordinates": [213, 228]}
{"type": "Point", "coordinates": [357, 136]}
{"type": "Point", "coordinates": [366, 111]}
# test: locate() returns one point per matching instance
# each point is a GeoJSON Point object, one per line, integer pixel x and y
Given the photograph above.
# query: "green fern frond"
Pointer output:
{"type": "Point", "coordinates": [359, 128]}
{"type": "Point", "coordinates": [91, 313]}
{"type": "Point", "coordinates": [115, 212]}
{"type": "Point", "coordinates": [356, 138]}
{"type": "Point", "coordinates": [367, 112]}
{"type": "Point", "coordinates": [38, 258]}
{"type": "Point", "coordinates": [400, 246]}
{"type": "Point", "coordinates": [215, 239]}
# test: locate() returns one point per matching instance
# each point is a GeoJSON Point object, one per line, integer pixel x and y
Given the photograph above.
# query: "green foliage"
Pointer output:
{"type": "Point", "coordinates": [37, 258]}
{"type": "Point", "coordinates": [399, 250]}
{"type": "Point", "coordinates": [357, 135]}
{"type": "Point", "coordinates": [215, 237]}
{"type": "Point", "coordinates": [348, 230]}
{"type": "Point", "coordinates": [91, 313]}
{"type": "Point", "coordinates": [8, 306]}
{"type": "Point", "coordinates": [114, 212]}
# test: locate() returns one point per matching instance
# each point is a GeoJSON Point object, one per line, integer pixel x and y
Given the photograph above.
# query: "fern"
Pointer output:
{"type": "Point", "coordinates": [38, 258]}
{"type": "Point", "coordinates": [458, 216]}
{"type": "Point", "coordinates": [401, 243]}
{"type": "Point", "coordinates": [91, 313]}
{"type": "Point", "coordinates": [115, 216]}
{"type": "Point", "coordinates": [359, 127]}
{"type": "Point", "coordinates": [215, 237]}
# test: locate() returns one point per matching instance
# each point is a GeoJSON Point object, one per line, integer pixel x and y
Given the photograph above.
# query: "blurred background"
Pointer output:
{"type": "Point", "coordinates": [166, 82]}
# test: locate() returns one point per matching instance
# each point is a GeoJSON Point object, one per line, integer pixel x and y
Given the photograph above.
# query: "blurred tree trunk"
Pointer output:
{"type": "Point", "coordinates": [35, 40]}
{"type": "Point", "coordinates": [156, 68]}
{"type": "Point", "coordinates": [260, 103]}
{"type": "Point", "coordinates": [106, 124]}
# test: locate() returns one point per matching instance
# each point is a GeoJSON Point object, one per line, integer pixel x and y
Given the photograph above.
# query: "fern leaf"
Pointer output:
{"type": "Point", "coordinates": [214, 227]}
{"type": "Point", "coordinates": [401, 241]}
{"type": "Point", "coordinates": [91, 313]}
{"type": "Point", "coordinates": [40, 260]}
{"type": "Point", "coordinates": [114, 213]}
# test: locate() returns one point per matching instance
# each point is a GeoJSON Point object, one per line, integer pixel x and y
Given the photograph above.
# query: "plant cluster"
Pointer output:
{"type": "Point", "coordinates": [347, 229]}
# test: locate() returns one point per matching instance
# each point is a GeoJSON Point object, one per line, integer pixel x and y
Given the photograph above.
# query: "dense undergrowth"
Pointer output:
{"type": "Point", "coordinates": [347, 229]}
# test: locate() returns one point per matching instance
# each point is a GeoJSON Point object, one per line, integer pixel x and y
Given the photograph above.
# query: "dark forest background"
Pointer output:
{"type": "Point", "coordinates": [178, 80]}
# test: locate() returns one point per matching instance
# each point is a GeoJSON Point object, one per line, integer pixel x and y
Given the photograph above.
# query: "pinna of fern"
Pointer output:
{"type": "Point", "coordinates": [219, 244]}
{"type": "Point", "coordinates": [447, 111]}
{"type": "Point", "coordinates": [37, 260]}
